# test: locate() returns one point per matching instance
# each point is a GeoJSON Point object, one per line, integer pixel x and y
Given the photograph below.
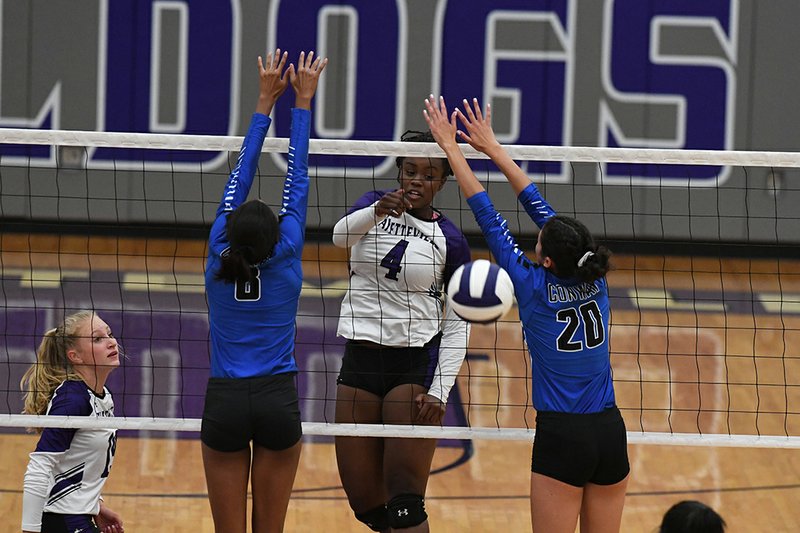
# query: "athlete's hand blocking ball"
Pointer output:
{"type": "Point", "coordinates": [431, 409]}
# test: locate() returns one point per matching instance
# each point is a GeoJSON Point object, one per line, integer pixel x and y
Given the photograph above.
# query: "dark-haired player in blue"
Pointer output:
{"type": "Point", "coordinates": [253, 279]}
{"type": "Point", "coordinates": [580, 462]}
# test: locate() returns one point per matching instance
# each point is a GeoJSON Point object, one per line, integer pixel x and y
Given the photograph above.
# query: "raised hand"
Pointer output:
{"type": "Point", "coordinates": [444, 131]}
{"type": "Point", "coordinates": [442, 127]}
{"type": "Point", "coordinates": [480, 136]}
{"type": "Point", "coordinates": [392, 203]}
{"type": "Point", "coordinates": [479, 132]}
{"type": "Point", "coordinates": [304, 79]}
{"type": "Point", "coordinates": [272, 81]}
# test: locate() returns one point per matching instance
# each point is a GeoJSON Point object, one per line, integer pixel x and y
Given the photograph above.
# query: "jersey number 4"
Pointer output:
{"type": "Point", "coordinates": [587, 316]}
{"type": "Point", "coordinates": [394, 259]}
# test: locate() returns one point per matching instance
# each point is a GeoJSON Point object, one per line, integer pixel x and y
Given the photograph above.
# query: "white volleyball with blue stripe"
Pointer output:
{"type": "Point", "coordinates": [480, 291]}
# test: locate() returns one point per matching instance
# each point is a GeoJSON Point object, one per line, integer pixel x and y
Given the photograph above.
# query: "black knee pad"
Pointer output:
{"type": "Point", "coordinates": [376, 519]}
{"type": "Point", "coordinates": [406, 510]}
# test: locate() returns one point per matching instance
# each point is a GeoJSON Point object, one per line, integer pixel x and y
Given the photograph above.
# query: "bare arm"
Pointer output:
{"type": "Point", "coordinates": [272, 81]}
{"type": "Point", "coordinates": [480, 136]}
{"type": "Point", "coordinates": [305, 78]}
{"type": "Point", "coordinates": [444, 131]}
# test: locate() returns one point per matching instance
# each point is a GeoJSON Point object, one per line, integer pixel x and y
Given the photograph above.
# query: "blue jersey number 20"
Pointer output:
{"type": "Point", "coordinates": [587, 316]}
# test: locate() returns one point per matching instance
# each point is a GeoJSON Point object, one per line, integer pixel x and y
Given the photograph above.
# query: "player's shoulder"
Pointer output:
{"type": "Point", "coordinates": [367, 199]}
{"type": "Point", "coordinates": [70, 398]}
{"type": "Point", "coordinates": [449, 227]}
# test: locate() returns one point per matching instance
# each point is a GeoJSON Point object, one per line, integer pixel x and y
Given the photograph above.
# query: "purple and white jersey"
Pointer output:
{"type": "Point", "coordinates": [399, 269]}
{"type": "Point", "coordinates": [67, 471]}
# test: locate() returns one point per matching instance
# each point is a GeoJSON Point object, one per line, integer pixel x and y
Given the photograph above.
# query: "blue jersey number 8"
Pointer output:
{"type": "Point", "coordinates": [249, 290]}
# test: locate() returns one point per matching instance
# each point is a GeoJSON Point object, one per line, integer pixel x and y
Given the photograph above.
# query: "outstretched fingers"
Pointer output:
{"type": "Point", "coordinates": [319, 65]}
{"type": "Point", "coordinates": [272, 80]}
{"type": "Point", "coordinates": [305, 77]}
{"type": "Point", "coordinates": [442, 127]}
{"type": "Point", "coordinates": [281, 63]}
{"type": "Point", "coordinates": [468, 111]}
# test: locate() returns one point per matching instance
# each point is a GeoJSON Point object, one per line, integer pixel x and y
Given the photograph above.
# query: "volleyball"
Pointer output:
{"type": "Point", "coordinates": [480, 292]}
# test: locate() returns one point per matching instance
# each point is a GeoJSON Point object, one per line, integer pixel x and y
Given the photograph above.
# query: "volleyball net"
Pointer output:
{"type": "Point", "coordinates": [705, 296]}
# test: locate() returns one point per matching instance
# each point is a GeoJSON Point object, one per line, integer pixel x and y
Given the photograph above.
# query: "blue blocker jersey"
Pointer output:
{"type": "Point", "coordinates": [565, 321]}
{"type": "Point", "coordinates": [252, 325]}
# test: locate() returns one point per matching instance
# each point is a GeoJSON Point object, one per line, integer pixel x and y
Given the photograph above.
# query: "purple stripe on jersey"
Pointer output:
{"type": "Point", "coordinates": [433, 358]}
{"type": "Point", "coordinates": [55, 440]}
{"type": "Point", "coordinates": [65, 486]}
{"type": "Point", "coordinates": [71, 398]}
{"type": "Point", "coordinates": [367, 199]}
{"type": "Point", "coordinates": [457, 248]}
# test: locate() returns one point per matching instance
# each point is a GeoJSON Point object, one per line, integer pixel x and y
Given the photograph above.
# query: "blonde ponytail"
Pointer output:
{"type": "Point", "coordinates": [52, 367]}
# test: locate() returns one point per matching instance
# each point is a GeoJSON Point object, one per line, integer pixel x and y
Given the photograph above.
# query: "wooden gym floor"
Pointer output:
{"type": "Point", "coordinates": [698, 345]}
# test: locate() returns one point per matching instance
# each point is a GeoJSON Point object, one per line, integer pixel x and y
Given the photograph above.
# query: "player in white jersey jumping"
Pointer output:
{"type": "Point", "coordinates": [66, 473]}
{"type": "Point", "coordinates": [404, 349]}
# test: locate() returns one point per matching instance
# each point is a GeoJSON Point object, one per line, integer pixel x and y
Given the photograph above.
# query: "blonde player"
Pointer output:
{"type": "Point", "coordinates": [69, 467]}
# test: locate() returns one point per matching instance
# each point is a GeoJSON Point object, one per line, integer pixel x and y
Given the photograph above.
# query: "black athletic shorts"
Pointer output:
{"type": "Point", "coordinates": [68, 523]}
{"type": "Point", "coordinates": [263, 409]}
{"type": "Point", "coordinates": [379, 369]}
{"type": "Point", "coordinates": [581, 448]}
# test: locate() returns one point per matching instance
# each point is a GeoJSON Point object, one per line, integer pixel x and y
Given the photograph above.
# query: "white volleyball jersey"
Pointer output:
{"type": "Point", "coordinates": [67, 471]}
{"type": "Point", "coordinates": [398, 273]}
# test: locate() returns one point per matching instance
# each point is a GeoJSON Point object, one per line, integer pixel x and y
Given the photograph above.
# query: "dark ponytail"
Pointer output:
{"type": "Point", "coordinates": [252, 231]}
{"type": "Point", "coordinates": [595, 265]}
{"type": "Point", "coordinates": [234, 266]}
{"type": "Point", "coordinates": [570, 245]}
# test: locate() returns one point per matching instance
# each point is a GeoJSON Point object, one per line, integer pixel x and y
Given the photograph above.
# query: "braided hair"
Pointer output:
{"type": "Point", "coordinates": [422, 137]}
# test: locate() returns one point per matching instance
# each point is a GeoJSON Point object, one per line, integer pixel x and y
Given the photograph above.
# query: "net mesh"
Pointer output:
{"type": "Point", "coordinates": [705, 296]}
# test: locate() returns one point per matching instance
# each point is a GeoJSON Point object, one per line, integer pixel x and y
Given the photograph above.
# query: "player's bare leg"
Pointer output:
{"type": "Point", "coordinates": [360, 459]}
{"type": "Point", "coordinates": [227, 474]}
{"type": "Point", "coordinates": [407, 462]}
{"type": "Point", "coordinates": [272, 480]}
{"type": "Point", "coordinates": [601, 511]}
